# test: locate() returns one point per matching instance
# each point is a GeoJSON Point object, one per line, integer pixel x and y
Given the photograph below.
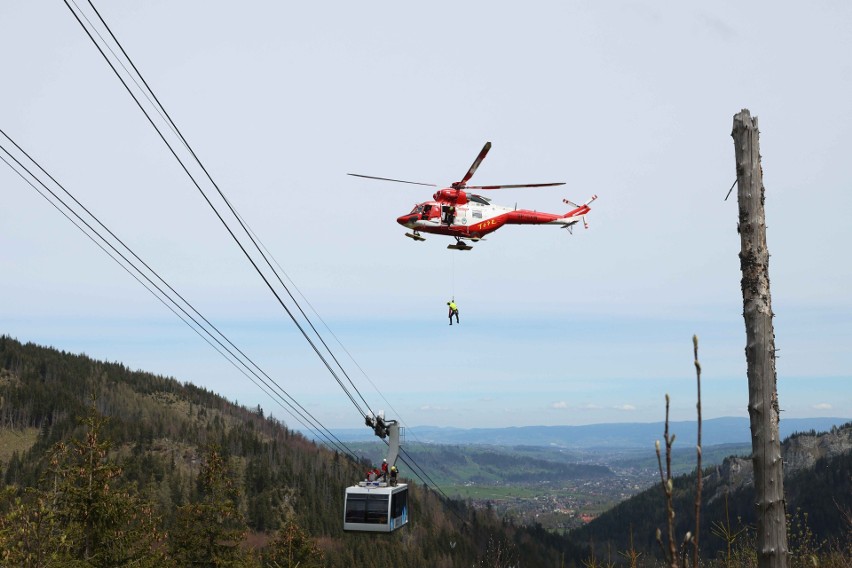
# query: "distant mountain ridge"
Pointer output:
{"type": "Point", "coordinates": [726, 430]}
{"type": "Point", "coordinates": [817, 491]}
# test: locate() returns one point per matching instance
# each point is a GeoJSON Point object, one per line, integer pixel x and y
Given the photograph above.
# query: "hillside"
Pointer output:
{"type": "Point", "coordinates": [817, 485]}
{"type": "Point", "coordinates": [177, 462]}
{"type": "Point", "coordinates": [626, 435]}
{"type": "Point", "coordinates": [477, 464]}
{"type": "Point", "coordinates": [164, 439]}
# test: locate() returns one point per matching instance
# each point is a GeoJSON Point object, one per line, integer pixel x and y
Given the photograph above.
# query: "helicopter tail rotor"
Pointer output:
{"type": "Point", "coordinates": [575, 206]}
{"type": "Point", "coordinates": [579, 212]}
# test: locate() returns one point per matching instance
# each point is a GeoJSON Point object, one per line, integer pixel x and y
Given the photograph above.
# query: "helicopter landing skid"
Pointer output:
{"type": "Point", "coordinates": [459, 246]}
{"type": "Point", "coordinates": [416, 236]}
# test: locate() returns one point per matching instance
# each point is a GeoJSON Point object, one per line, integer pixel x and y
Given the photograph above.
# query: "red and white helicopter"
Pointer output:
{"type": "Point", "coordinates": [468, 216]}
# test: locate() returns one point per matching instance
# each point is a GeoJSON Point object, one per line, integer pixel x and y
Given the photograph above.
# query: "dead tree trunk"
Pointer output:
{"type": "Point", "coordinates": [760, 347]}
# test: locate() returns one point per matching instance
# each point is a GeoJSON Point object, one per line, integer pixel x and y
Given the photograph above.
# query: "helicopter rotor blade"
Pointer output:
{"type": "Point", "coordinates": [514, 185]}
{"type": "Point", "coordinates": [396, 180]}
{"type": "Point", "coordinates": [474, 166]}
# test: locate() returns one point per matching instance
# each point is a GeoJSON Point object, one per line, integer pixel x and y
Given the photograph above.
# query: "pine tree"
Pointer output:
{"type": "Point", "coordinates": [291, 548]}
{"type": "Point", "coordinates": [31, 535]}
{"type": "Point", "coordinates": [108, 527]}
{"type": "Point", "coordinates": [77, 517]}
{"type": "Point", "coordinates": [208, 532]}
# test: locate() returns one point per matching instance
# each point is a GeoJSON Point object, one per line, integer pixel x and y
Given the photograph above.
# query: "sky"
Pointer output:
{"type": "Point", "coordinates": [632, 101]}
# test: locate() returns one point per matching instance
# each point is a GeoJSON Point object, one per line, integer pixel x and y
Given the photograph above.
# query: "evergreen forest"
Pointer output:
{"type": "Point", "coordinates": [124, 468]}
{"type": "Point", "coordinates": [103, 466]}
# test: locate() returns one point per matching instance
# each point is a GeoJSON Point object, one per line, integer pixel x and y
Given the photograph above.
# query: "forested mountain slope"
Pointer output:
{"type": "Point", "coordinates": [218, 484]}
{"type": "Point", "coordinates": [104, 466]}
{"type": "Point", "coordinates": [817, 487]}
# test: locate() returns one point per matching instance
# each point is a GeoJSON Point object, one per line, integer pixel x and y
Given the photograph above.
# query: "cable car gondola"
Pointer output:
{"type": "Point", "coordinates": [378, 506]}
{"type": "Point", "coordinates": [375, 506]}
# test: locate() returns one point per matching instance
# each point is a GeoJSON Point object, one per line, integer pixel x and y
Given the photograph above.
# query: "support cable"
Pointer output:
{"type": "Point", "coordinates": [221, 219]}
{"type": "Point", "coordinates": [252, 236]}
{"type": "Point", "coordinates": [423, 471]}
{"type": "Point", "coordinates": [304, 414]}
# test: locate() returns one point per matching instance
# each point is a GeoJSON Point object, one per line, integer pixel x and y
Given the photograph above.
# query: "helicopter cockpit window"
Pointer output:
{"type": "Point", "coordinates": [417, 209]}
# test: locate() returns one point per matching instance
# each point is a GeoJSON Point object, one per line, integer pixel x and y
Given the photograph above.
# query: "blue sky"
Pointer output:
{"type": "Point", "coordinates": [633, 102]}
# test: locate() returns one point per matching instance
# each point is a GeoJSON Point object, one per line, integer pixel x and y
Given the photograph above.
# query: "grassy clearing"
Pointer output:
{"type": "Point", "coordinates": [14, 440]}
{"type": "Point", "coordinates": [495, 492]}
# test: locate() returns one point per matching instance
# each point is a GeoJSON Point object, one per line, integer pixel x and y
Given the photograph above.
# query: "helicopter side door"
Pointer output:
{"type": "Point", "coordinates": [454, 215]}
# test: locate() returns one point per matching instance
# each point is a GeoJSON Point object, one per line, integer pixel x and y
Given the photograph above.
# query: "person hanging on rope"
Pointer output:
{"type": "Point", "coordinates": [453, 311]}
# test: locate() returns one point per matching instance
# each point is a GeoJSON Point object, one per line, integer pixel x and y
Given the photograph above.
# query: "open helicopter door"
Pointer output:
{"type": "Point", "coordinates": [378, 506]}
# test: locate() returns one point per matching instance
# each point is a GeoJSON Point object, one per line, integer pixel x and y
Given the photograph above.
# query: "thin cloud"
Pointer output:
{"type": "Point", "coordinates": [822, 406]}
{"type": "Point", "coordinates": [719, 27]}
{"type": "Point", "coordinates": [628, 407]}
{"type": "Point", "coordinates": [429, 408]}
{"type": "Point", "coordinates": [560, 405]}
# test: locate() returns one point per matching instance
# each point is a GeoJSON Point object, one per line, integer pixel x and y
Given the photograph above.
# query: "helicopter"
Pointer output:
{"type": "Point", "coordinates": [469, 217]}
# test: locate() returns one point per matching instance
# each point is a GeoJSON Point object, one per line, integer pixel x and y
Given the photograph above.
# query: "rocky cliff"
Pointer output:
{"type": "Point", "coordinates": [800, 452]}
